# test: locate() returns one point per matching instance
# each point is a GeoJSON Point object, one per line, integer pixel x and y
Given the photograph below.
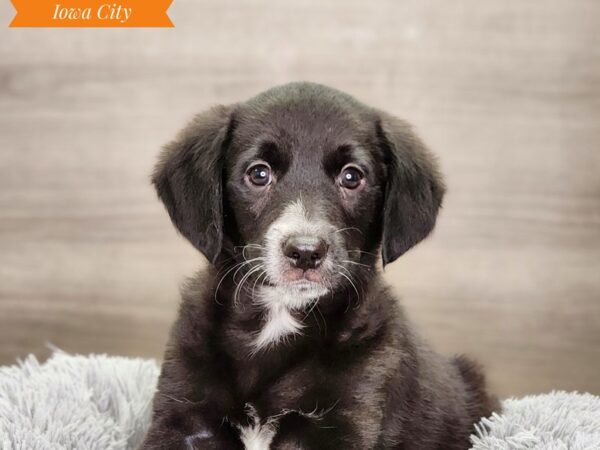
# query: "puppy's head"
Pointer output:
{"type": "Point", "coordinates": [300, 187]}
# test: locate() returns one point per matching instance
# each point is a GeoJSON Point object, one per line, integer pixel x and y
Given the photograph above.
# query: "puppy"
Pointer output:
{"type": "Point", "coordinates": [290, 339]}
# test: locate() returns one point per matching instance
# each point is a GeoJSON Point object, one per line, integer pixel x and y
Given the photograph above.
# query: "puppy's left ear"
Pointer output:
{"type": "Point", "coordinates": [414, 188]}
{"type": "Point", "coordinates": [188, 180]}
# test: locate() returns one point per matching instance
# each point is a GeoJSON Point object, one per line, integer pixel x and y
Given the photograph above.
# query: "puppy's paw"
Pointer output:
{"type": "Point", "coordinates": [206, 440]}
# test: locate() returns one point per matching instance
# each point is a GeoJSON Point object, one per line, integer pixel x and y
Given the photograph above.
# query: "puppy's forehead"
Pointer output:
{"type": "Point", "coordinates": [301, 125]}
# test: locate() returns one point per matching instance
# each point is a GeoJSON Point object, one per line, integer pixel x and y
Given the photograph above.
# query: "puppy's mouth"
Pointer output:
{"type": "Point", "coordinates": [300, 287]}
{"type": "Point", "coordinates": [299, 277]}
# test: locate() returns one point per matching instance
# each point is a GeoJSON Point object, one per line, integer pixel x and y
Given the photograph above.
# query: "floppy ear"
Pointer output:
{"type": "Point", "coordinates": [414, 188]}
{"type": "Point", "coordinates": [188, 180]}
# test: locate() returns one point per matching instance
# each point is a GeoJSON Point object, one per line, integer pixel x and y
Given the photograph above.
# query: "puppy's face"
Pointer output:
{"type": "Point", "coordinates": [304, 188]}
{"type": "Point", "coordinates": [299, 187]}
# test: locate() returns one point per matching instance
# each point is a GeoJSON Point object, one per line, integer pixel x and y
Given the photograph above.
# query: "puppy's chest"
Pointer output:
{"type": "Point", "coordinates": [276, 383]}
{"type": "Point", "coordinates": [270, 390]}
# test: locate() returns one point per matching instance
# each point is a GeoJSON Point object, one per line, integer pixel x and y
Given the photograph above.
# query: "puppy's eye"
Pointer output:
{"type": "Point", "coordinates": [259, 174]}
{"type": "Point", "coordinates": [351, 177]}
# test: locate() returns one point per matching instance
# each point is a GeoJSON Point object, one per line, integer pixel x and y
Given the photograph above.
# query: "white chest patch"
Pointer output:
{"type": "Point", "coordinates": [257, 436]}
{"type": "Point", "coordinates": [280, 325]}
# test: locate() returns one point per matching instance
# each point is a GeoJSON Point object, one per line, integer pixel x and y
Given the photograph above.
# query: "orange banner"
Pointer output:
{"type": "Point", "coordinates": [91, 13]}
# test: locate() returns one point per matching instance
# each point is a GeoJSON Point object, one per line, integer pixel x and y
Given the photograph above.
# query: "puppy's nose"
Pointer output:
{"type": "Point", "coordinates": [305, 252]}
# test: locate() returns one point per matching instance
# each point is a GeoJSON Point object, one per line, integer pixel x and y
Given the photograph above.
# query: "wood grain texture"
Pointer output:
{"type": "Point", "coordinates": [506, 93]}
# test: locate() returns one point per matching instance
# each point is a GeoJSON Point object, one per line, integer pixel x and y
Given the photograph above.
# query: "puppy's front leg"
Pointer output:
{"type": "Point", "coordinates": [182, 430]}
{"type": "Point", "coordinates": [191, 408]}
{"type": "Point", "coordinates": [163, 436]}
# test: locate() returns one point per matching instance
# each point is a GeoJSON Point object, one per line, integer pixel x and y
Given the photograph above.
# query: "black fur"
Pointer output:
{"type": "Point", "coordinates": [358, 360]}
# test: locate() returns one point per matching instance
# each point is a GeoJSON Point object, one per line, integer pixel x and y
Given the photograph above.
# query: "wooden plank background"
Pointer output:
{"type": "Point", "coordinates": [506, 93]}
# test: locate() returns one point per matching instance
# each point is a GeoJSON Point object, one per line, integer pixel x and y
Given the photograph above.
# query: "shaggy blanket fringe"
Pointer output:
{"type": "Point", "coordinates": [76, 402]}
{"type": "Point", "coordinates": [99, 402]}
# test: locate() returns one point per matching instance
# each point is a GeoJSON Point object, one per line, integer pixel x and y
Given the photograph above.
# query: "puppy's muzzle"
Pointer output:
{"type": "Point", "coordinates": [305, 252]}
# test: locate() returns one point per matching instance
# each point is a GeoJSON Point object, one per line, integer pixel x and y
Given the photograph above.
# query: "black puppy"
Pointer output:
{"type": "Point", "coordinates": [290, 339]}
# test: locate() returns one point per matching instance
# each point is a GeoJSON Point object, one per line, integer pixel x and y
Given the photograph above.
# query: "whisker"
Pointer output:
{"type": "Point", "coordinates": [313, 304]}
{"type": "Point", "coordinates": [350, 278]}
{"type": "Point", "coordinates": [239, 266]}
{"type": "Point", "coordinates": [243, 280]}
{"type": "Point", "coordinates": [262, 283]}
{"type": "Point", "coordinates": [249, 261]}
{"type": "Point", "coordinates": [250, 272]}
{"type": "Point", "coordinates": [249, 245]}
{"type": "Point", "coordinates": [362, 251]}
{"type": "Point", "coordinates": [226, 266]}
{"type": "Point", "coordinates": [251, 291]}
{"type": "Point", "coordinates": [228, 270]}
{"type": "Point", "coordinates": [358, 264]}
{"type": "Point", "coordinates": [346, 229]}
{"type": "Point", "coordinates": [351, 282]}
{"type": "Point", "coordinates": [264, 272]}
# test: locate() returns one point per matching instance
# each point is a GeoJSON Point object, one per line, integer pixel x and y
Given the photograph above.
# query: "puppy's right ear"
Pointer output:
{"type": "Point", "coordinates": [188, 180]}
